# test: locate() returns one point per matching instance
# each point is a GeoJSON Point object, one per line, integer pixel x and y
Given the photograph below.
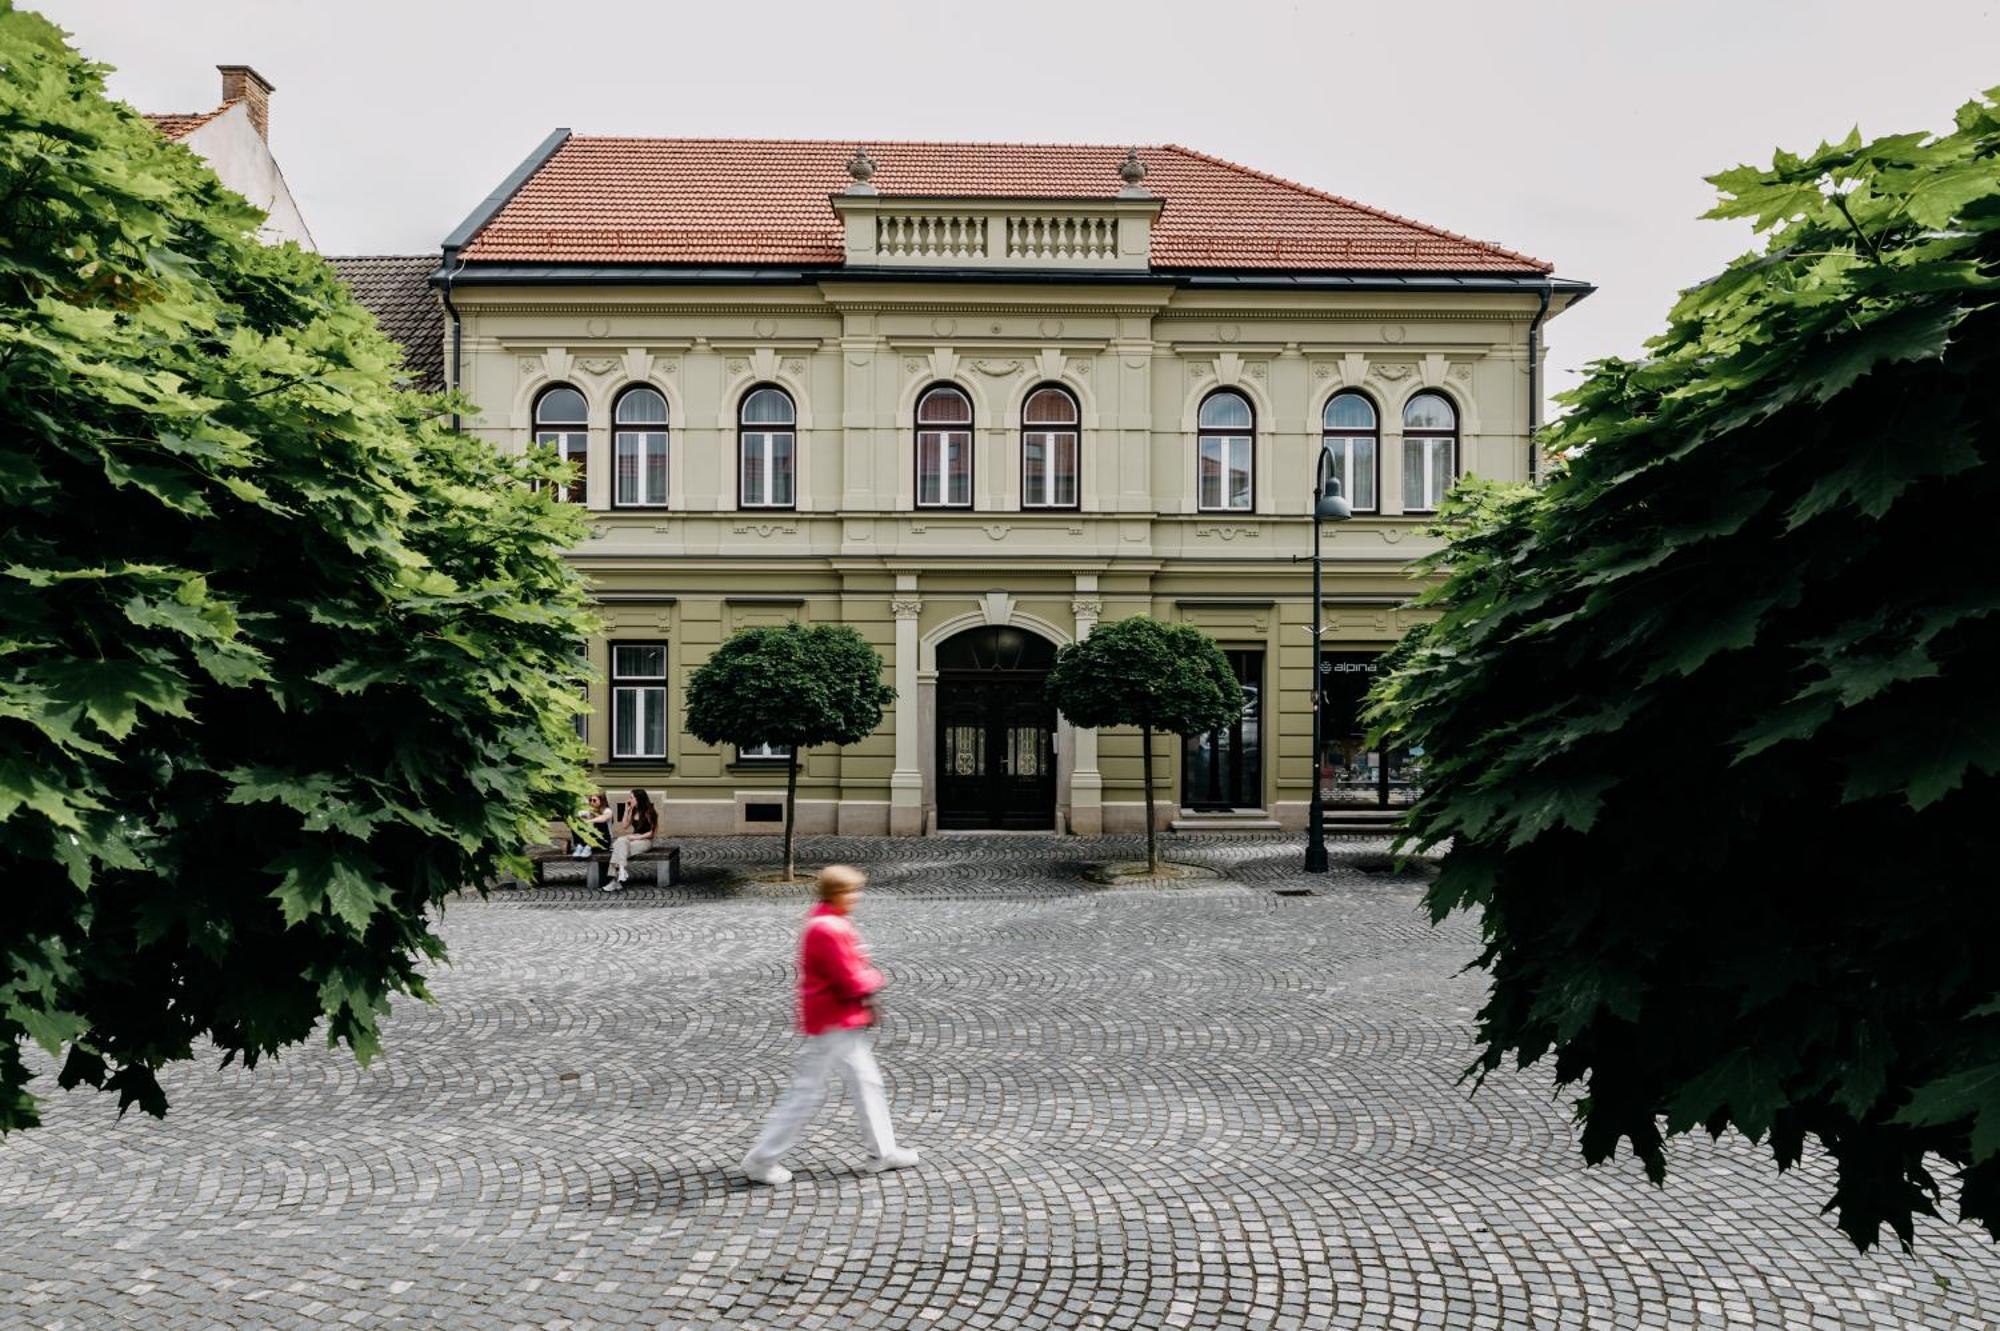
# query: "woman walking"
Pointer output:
{"type": "Point", "coordinates": [836, 1007]}
{"type": "Point", "coordinates": [640, 826]}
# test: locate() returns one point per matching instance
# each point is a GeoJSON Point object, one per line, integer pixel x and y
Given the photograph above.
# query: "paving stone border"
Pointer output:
{"type": "Point", "coordinates": [1196, 1106]}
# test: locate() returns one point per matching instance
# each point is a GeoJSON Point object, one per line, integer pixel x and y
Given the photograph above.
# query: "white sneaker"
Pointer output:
{"type": "Point", "coordinates": [623, 874]}
{"type": "Point", "coordinates": [610, 885]}
{"type": "Point", "coordinates": [580, 851]}
{"type": "Point", "coordinates": [900, 1158]}
{"type": "Point", "coordinates": [769, 1175]}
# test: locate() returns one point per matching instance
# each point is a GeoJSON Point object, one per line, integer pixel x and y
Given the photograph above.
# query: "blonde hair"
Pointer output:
{"type": "Point", "coordinates": [835, 879]}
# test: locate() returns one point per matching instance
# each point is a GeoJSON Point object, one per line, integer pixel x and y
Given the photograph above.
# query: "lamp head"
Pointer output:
{"type": "Point", "coordinates": [1331, 506]}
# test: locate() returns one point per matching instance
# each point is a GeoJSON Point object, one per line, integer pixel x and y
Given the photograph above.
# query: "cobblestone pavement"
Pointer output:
{"type": "Point", "coordinates": [1198, 1104]}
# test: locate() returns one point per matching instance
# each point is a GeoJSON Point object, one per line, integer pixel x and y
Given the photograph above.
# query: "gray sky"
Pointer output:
{"type": "Point", "coordinates": [1578, 132]}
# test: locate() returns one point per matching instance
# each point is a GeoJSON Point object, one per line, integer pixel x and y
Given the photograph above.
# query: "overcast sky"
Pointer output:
{"type": "Point", "coordinates": [1578, 132]}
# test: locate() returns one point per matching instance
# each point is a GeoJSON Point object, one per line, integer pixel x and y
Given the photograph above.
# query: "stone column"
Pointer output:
{"type": "Point", "coordinates": [1086, 784]}
{"type": "Point", "coordinates": [906, 782]}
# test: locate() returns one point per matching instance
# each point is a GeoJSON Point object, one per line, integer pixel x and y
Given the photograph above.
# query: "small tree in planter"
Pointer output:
{"type": "Point", "coordinates": [1140, 672]}
{"type": "Point", "coordinates": [792, 686]}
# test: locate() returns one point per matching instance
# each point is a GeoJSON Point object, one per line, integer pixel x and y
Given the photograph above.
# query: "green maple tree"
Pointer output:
{"type": "Point", "coordinates": [283, 659]}
{"type": "Point", "coordinates": [1713, 723]}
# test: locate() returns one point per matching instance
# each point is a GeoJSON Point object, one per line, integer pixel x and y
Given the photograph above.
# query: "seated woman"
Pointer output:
{"type": "Point", "coordinates": [640, 826]}
{"type": "Point", "coordinates": [595, 832]}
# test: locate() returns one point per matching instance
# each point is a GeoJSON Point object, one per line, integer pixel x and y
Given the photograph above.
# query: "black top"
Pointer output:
{"type": "Point", "coordinates": [643, 821]}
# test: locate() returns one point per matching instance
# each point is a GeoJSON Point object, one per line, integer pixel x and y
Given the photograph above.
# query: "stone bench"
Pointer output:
{"type": "Point", "coordinates": [664, 861]}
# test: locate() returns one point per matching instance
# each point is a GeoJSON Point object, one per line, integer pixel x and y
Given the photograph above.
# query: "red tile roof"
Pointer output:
{"type": "Point", "coordinates": [176, 125]}
{"type": "Point", "coordinates": [764, 201]}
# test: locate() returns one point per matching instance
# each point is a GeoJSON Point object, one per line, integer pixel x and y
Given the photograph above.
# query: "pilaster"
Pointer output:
{"type": "Point", "coordinates": [1086, 783]}
{"type": "Point", "coordinates": [906, 781]}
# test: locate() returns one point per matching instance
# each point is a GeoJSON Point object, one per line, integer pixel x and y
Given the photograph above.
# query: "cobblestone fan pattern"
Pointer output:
{"type": "Point", "coordinates": [1201, 1104]}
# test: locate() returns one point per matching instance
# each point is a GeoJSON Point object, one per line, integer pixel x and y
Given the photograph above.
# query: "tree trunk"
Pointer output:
{"type": "Point", "coordinates": [1146, 769]}
{"type": "Point", "coordinates": [791, 809]}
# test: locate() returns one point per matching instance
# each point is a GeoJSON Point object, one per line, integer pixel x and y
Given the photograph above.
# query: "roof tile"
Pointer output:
{"type": "Point", "coordinates": [764, 201]}
{"type": "Point", "coordinates": [396, 289]}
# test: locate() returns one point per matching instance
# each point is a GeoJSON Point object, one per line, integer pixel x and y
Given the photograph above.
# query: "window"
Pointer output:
{"type": "Point", "coordinates": [1430, 451]}
{"type": "Point", "coordinates": [1348, 434]}
{"type": "Point", "coordinates": [944, 449]}
{"type": "Point", "coordinates": [1222, 458]}
{"type": "Point", "coordinates": [767, 444]}
{"type": "Point", "coordinates": [1049, 444]}
{"type": "Point", "coordinates": [639, 449]}
{"type": "Point", "coordinates": [638, 700]}
{"type": "Point", "coordinates": [762, 753]}
{"type": "Point", "coordinates": [581, 721]}
{"type": "Point", "coordinates": [561, 422]}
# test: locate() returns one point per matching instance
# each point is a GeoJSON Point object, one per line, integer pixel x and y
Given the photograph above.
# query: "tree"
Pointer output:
{"type": "Point", "coordinates": [283, 660]}
{"type": "Point", "coordinates": [1140, 672]}
{"type": "Point", "coordinates": [1712, 722]}
{"type": "Point", "coordinates": [790, 685]}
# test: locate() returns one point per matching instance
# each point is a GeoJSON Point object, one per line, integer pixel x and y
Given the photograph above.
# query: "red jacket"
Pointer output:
{"type": "Point", "coordinates": [834, 974]}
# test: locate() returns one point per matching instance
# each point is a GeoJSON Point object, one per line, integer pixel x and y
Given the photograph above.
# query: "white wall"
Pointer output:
{"type": "Point", "coordinates": [243, 161]}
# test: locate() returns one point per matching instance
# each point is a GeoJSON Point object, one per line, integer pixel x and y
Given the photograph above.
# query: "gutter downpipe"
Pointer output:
{"type": "Point", "coordinates": [453, 266]}
{"type": "Point", "coordinates": [1534, 383]}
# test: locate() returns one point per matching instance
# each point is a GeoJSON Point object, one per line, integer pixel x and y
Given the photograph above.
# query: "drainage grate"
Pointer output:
{"type": "Point", "coordinates": [1296, 892]}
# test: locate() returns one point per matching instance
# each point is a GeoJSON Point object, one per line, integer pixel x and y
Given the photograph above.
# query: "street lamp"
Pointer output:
{"type": "Point", "coordinates": [1328, 506]}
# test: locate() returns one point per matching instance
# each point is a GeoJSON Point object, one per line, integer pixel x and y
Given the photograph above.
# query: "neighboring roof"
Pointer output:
{"type": "Point", "coordinates": [176, 125]}
{"type": "Point", "coordinates": [764, 201]}
{"type": "Point", "coordinates": [396, 289]}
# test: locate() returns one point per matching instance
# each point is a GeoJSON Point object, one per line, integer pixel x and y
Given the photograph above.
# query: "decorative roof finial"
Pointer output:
{"type": "Point", "coordinates": [860, 169]}
{"type": "Point", "coordinates": [1132, 171]}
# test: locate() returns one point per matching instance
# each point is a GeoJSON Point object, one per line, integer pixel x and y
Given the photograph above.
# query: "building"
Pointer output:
{"type": "Point", "coordinates": [235, 140]}
{"type": "Point", "coordinates": [974, 399]}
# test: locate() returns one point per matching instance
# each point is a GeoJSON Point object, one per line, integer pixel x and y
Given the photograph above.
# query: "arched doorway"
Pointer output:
{"type": "Point", "coordinates": [996, 758]}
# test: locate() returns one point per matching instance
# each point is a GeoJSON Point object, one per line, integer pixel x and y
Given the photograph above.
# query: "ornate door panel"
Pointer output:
{"type": "Point", "coordinates": [996, 759]}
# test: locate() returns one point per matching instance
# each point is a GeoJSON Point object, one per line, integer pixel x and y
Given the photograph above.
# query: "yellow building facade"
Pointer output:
{"type": "Point", "coordinates": [973, 451]}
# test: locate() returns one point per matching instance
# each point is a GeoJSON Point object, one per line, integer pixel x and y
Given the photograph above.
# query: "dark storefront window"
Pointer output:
{"type": "Point", "coordinates": [1349, 771]}
{"type": "Point", "coordinates": [1224, 769]}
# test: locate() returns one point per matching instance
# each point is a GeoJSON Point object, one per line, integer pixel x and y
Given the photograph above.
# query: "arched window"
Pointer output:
{"type": "Point", "coordinates": [1049, 448]}
{"type": "Point", "coordinates": [944, 449]}
{"type": "Point", "coordinates": [766, 449]}
{"type": "Point", "coordinates": [1348, 433]}
{"type": "Point", "coordinates": [639, 449]}
{"type": "Point", "coordinates": [1430, 451]}
{"type": "Point", "coordinates": [561, 422]}
{"type": "Point", "coordinates": [1224, 481]}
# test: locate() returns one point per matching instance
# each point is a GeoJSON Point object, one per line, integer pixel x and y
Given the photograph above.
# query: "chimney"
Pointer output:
{"type": "Point", "coordinates": [240, 83]}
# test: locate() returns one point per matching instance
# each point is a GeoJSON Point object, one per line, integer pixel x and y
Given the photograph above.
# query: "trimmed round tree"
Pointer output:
{"type": "Point", "coordinates": [1712, 722]}
{"type": "Point", "coordinates": [793, 686]}
{"type": "Point", "coordinates": [283, 660]}
{"type": "Point", "coordinates": [1158, 677]}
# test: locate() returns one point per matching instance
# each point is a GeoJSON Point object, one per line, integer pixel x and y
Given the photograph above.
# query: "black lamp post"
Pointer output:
{"type": "Point", "coordinates": [1328, 506]}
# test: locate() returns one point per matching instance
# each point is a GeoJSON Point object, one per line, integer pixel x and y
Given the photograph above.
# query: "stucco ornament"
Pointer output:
{"type": "Point", "coordinates": [860, 170]}
{"type": "Point", "coordinates": [1133, 172]}
{"type": "Point", "coordinates": [906, 607]}
{"type": "Point", "coordinates": [998, 369]}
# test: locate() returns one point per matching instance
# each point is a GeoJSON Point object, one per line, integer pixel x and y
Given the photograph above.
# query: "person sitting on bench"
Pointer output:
{"type": "Point", "coordinates": [596, 818]}
{"type": "Point", "coordinates": [640, 825]}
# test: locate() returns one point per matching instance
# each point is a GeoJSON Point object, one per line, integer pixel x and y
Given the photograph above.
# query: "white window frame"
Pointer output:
{"type": "Point", "coordinates": [570, 439]}
{"type": "Point", "coordinates": [645, 439]}
{"type": "Point", "coordinates": [763, 437]}
{"type": "Point", "coordinates": [1339, 441]}
{"type": "Point", "coordinates": [763, 753]}
{"type": "Point", "coordinates": [1053, 437]}
{"type": "Point", "coordinates": [649, 696]}
{"type": "Point", "coordinates": [1437, 458]}
{"type": "Point", "coordinates": [951, 438]}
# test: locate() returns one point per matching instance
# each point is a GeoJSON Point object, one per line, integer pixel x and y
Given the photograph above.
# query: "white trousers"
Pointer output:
{"type": "Point", "coordinates": [848, 1055]}
{"type": "Point", "coordinates": [625, 847]}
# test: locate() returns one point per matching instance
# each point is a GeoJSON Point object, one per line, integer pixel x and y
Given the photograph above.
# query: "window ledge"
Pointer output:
{"type": "Point", "coordinates": [634, 764]}
{"type": "Point", "coordinates": [767, 766]}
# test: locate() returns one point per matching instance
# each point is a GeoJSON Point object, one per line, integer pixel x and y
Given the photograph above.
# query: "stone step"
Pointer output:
{"type": "Point", "coordinates": [1253, 820]}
